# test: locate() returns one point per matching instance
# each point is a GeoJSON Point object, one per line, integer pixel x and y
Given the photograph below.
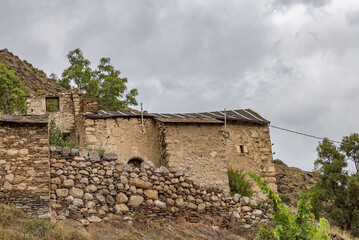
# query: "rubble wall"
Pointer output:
{"type": "Point", "coordinates": [24, 166]}
{"type": "Point", "coordinates": [89, 188]}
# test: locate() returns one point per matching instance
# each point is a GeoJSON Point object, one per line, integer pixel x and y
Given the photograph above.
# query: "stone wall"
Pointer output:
{"type": "Point", "coordinates": [24, 166]}
{"type": "Point", "coordinates": [249, 148]}
{"type": "Point", "coordinates": [88, 188]}
{"type": "Point", "coordinates": [124, 136]}
{"type": "Point", "coordinates": [199, 150]}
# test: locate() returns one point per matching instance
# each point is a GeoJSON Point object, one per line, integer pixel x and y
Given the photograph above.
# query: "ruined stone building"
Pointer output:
{"type": "Point", "coordinates": [199, 143]}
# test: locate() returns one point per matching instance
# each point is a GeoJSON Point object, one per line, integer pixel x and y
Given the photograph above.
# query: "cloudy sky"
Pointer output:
{"type": "Point", "coordinates": [296, 62]}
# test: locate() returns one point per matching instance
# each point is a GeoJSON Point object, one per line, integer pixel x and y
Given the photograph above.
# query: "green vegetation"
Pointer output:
{"type": "Point", "coordinates": [15, 224]}
{"type": "Point", "coordinates": [12, 92]}
{"type": "Point", "coordinates": [336, 194]}
{"type": "Point", "coordinates": [104, 83]}
{"type": "Point", "coordinates": [52, 105]}
{"type": "Point", "coordinates": [238, 183]}
{"type": "Point", "coordinates": [287, 224]}
{"type": "Point", "coordinates": [57, 139]}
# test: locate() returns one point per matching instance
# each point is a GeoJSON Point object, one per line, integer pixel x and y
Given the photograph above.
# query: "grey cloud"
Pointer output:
{"type": "Point", "coordinates": [353, 17]}
{"type": "Point", "coordinates": [279, 4]}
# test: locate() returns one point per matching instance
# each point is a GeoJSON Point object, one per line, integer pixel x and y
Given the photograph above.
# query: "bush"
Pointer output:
{"type": "Point", "coordinates": [287, 224]}
{"type": "Point", "coordinates": [238, 183]}
{"type": "Point", "coordinates": [56, 137]}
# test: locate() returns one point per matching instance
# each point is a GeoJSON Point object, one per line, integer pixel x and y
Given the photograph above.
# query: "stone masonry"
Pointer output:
{"type": "Point", "coordinates": [24, 163]}
{"type": "Point", "coordinates": [88, 188]}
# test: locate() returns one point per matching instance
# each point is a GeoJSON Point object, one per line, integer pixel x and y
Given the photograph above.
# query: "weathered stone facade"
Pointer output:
{"type": "Point", "coordinates": [88, 188]}
{"type": "Point", "coordinates": [24, 163]}
{"type": "Point", "coordinates": [125, 137]}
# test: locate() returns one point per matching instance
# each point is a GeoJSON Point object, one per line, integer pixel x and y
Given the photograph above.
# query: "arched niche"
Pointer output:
{"type": "Point", "coordinates": [135, 162]}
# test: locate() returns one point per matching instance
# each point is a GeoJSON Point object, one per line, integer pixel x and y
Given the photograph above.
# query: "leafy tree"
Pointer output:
{"type": "Point", "coordinates": [238, 183]}
{"type": "Point", "coordinates": [104, 83]}
{"type": "Point", "coordinates": [336, 194]}
{"type": "Point", "coordinates": [12, 92]}
{"type": "Point", "coordinates": [350, 146]}
{"type": "Point", "coordinates": [113, 93]}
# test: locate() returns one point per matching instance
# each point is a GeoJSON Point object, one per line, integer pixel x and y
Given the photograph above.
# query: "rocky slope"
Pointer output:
{"type": "Point", "coordinates": [32, 77]}
{"type": "Point", "coordinates": [292, 181]}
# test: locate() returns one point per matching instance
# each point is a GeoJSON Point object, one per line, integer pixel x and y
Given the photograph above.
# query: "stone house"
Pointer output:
{"type": "Point", "coordinates": [203, 144]}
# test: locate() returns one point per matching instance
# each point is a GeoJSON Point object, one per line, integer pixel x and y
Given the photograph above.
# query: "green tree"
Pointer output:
{"type": "Point", "coordinates": [113, 94]}
{"type": "Point", "coordinates": [350, 146]}
{"type": "Point", "coordinates": [12, 92]}
{"type": "Point", "coordinates": [336, 194]}
{"type": "Point", "coordinates": [104, 83]}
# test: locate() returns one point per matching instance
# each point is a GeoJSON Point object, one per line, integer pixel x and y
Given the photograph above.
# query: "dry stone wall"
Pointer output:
{"type": "Point", "coordinates": [24, 166]}
{"type": "Point", "coordinates": [89, 188]}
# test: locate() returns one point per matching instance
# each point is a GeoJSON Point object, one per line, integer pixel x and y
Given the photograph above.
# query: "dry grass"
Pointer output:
{"type": "Point", "coordinates": [342, 233]}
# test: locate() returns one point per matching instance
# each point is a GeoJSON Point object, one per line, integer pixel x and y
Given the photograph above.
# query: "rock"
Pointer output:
{"type": "Point", "coordinates": [94, 157]}
{"type": "Point", "coordinates": [192, 206]}
{"type": "Point", "coordinates": [121, 208]}
{"type": "Point", "coordinates": [160, 204]}
{"type": "Point", "coordinates": [110, 200]}
{"type": "Point", "coordinates": [109, 156]}
{"type": "Point", "coordinates": [78, 202]}
{"type": "Point", "coordinates": [123, 179]}
{"type": "Point", "coordinates": [100, 197]}
{"type": "Point", "coordinates": [79, 158]}
{"type": "Point", "coordinates": [88, 196]}
{"type": "Point", "coordinates": [257, 212]}
{"type": "Point", "coordinates": [83, 152]}
{"type": "Point", "coordinates": [179, 172]}
{"type": "Point", "coordinates": [74, 152]}
{"type": "Point", "coordinates": [91, 188]}
{"type": "Point", "coordinates": [140, 183]}
{"type": "Point", "coordinates": [236, 215]}
{"type": "Point", "coordinates": [128, 168]}
{"type": "Point", "coordinates": [244, 200]}
{"type": "Point", "coordinates": [253, 203]}
{"type": "Point", "coordinates": [162, 169]}
{"type": "Point", "coordinates": [94, 219]}
{"type": "Point", "coordinates": [121, 198]}
{"type": "Point", "coordinates": [170, 202]}
{"type": "Point", "coordinates": [68, 183]}
{"type": "Point", "coordinates": [66, 150]}
{"type": "Point", "coordinates": [10, 177]}
{"type": "Point", "coordinates": [152, 194]}
{"type": "Point", "coordinates": [135, 201]}
{"type": "Point", "coordinates": [8, 186]}
{"type": "Point", "coordinates": [55, 180]}
{"type": "Point", "coordinates": [62, 192]}
{"type": "Point", "coordinates": [246, 209]}
{"type": "Point", "coordinates": [76, 192]}
{"type": "Point", "coordinates": [201, 206]}
{"type": "Point", "coordinates": [147, 165]}
{"type": "Point", "coordinates": [247, 226]}
{"type": "Point", "coordinates": [90, 204]}
{"type": "Point", "coordinates": [179, 202]}
{"type": "Point", "coordinates": [236, 197]}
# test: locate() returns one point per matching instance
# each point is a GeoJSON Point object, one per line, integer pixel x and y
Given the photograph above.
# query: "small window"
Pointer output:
{"type": "Point", "coordinates": [52, 104]}
{"type": "Point", "coordinates": [242, 148]}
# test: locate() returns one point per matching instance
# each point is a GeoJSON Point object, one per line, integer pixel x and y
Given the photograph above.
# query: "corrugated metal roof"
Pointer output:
{"type": "Point", "coordinates": [243, 115]}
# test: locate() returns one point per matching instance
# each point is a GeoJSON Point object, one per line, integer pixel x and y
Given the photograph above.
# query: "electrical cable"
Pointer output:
{"type": "Point", "coordinates": [303, 134]}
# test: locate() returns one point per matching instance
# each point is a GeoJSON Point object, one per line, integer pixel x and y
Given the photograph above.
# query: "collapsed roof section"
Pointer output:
{"type": "Point", "coordinates": [242, 115]}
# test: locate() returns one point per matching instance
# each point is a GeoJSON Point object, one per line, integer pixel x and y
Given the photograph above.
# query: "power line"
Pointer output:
{"type": "Point", "coordinates": [303, 134]}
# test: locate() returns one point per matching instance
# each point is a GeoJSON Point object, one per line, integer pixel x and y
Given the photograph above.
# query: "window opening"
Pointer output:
{"type": "Point", "coordinates": [52, 104]}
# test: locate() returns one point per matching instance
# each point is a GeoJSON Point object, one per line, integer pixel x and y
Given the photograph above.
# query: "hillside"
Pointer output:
{"type": "Point", "coordinates": [292, 181]}
{"type": "Point", "coordinates": [32, 77]}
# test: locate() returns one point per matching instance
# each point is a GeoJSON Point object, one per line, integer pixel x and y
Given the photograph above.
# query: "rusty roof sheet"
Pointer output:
{"type": "Point", "coordinates": [42, 119]}
{"type": "Point", "coordinates": [242, 115]}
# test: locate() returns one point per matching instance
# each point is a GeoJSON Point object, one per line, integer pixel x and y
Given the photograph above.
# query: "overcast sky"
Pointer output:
{"type": "Point", "coordinates": [296, 62]}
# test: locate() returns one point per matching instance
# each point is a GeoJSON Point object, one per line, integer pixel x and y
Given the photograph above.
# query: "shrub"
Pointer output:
{"type": "Point", "coordinates": [56, 137]}
{"type": "Point", "coordinates": [287, 224]}
{"type": "Point", "coordinates": [238, 183]}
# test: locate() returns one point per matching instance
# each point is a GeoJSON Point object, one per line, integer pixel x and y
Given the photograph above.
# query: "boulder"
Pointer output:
{"type": "Point", "coordinates": [62, 192]}
{"type": "Point", "coordinates": [160, 204]}
{"type": "Point", "coordinates": [121, 208]}
{"type": "Point", "coordinates": [140, 183]}
{"type": "Point", "coordinates": [76, 192]}
{"type": "Point", "coordinates": [121, 198]}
